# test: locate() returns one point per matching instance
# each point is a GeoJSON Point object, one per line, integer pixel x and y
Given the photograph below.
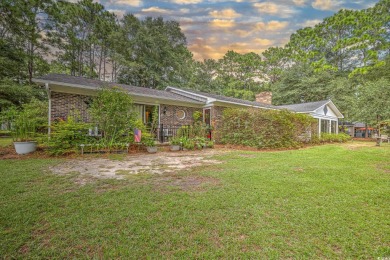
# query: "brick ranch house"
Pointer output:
{"type": "Point", "coordinates": [176, 105]}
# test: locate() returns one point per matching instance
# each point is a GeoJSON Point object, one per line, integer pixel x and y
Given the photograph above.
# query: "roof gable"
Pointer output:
{"type": "Point", "coordinates": [317, 107]}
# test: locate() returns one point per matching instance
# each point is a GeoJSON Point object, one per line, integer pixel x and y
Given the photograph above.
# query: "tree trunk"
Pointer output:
{"type": "Point", "coordinates": [73, 67]}
{"type": "Point", "coordinates": [30, 63]}
{"type": "Point", "coordinates": [104, 65]}
{"type": "Point", "coordinates": [100, 62]}
{"type": "Point", "coordinates": [366, 133]}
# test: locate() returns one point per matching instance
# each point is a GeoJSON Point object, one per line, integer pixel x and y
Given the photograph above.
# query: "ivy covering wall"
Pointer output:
{"type": "Point", "coordinates": [262, 128]}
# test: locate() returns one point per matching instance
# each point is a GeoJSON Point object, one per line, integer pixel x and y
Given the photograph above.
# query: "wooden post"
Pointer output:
{"type": "Point", "coordinates": [379, 138]}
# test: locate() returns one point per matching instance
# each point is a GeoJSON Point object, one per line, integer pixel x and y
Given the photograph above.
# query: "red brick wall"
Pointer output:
{"type": "Point", "coordinates": [216, 121]}
{"type": "Point", "coordinates": [170, 116]}
{"type": "Point", "coordinates": [63, 104]}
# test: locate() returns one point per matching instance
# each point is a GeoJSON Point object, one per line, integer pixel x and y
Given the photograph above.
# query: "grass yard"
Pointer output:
{"type": "Point", "coordinates": [330, 201]}
{"type": "Point", "coordinates": [5, 141]}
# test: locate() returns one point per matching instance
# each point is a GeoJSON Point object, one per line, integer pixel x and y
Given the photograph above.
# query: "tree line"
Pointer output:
{"type": "Point", "coordinates": [345, 57]}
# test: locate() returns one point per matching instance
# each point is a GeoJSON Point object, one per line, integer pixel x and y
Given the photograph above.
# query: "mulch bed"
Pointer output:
{"type": "Point", "coordinates": [364, 139]}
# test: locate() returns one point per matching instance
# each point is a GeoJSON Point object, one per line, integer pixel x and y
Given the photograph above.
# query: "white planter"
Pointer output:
{"type": "Point", "coordinates": [151, 149]}
{"type": "Point", "coordinates": [175, 148]}
{"type": "Point", "coordinates": [25, 147]}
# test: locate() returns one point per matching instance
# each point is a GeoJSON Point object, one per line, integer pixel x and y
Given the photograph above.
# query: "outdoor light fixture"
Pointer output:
{"type": "Point", "coordinates": [165, 110]}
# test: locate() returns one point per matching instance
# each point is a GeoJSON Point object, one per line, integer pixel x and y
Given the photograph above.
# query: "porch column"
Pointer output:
{"type": "Point", "coordinates": [49, 112]}
{"type": "Point", "coordinates": [319, 126]}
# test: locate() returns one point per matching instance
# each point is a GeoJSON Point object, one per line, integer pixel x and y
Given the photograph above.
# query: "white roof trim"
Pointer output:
{"type": "Point", "coordinates": [209, 100]}
{"type": "Point", "coordinates": [212, 100]}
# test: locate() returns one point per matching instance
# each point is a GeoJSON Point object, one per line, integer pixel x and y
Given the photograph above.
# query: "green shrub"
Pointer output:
{"type": "Point", "coordinates": [175, 141]}
{"type": "Point", "coordinates": [339, 138]}
{"type": "Point", "coordinates": [149, 142]}
{"type": "Point", "coordinates": [67, 136]}
{"type": "Point", "coordinates": [184, 131]}
{"type": "Point", "coordinates": [198, 129]}
{"type": "Point", "coordinates": [189, 144]}
{"type": "Point", "coordinates": [5, 133]}
{"type": "Point", "coordinates": [200, 142]}
{"type": "Point", "coordinates": [262, 128]}
{"type": "Point", "coordinates": [197, 116]}
{"type": "Point", "coordinates": [210, 144]}
{"type": "Point", "coordinates": [112, 110]}
{"type": "Point", "coordinates": [27, 122]}
{"type": "Point", "coordinates": [315, 139]}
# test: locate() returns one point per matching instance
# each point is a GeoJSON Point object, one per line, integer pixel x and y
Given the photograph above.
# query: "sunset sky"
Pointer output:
{"type": "Point", "coordinates": [213, 27]}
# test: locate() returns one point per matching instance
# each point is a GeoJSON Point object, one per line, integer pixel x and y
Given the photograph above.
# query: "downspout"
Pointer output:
{"type": "Point", "coordinates": [49, 110]}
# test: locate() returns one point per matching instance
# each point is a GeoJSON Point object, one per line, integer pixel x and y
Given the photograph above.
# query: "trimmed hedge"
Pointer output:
{"type": "Point", "coordinates": [262, 128]}
{"type": "Point", "coordinates": [339, 138]}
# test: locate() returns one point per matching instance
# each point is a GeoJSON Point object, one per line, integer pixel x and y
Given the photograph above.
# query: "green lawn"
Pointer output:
{"type": "Point", "coordinates": [330, 201]}
{"type": "Point", "coordinates": [5, 141]}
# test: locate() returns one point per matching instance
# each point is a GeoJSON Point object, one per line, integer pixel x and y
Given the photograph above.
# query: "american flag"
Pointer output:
{"type": "Point", "coordinates": [137, 135]}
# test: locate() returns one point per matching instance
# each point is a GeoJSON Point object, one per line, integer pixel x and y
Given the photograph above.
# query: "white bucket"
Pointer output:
{"type": "Point", "coordinates": [25, 147]}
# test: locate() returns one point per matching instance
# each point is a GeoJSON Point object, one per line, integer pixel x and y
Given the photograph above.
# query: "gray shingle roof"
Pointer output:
{"type": "Point", "coordinates": [168, 95]}
{"type": "Point", "coordinates": [230, 99]}
{"type": "Point", "coordinates": [93, 83]}
{"type": "Point", "coordinates": [305, 107]}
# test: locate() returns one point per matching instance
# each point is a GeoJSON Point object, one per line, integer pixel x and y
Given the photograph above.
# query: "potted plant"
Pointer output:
{"type": "Point", "coordinates": [150, 145]}
{"type": "Point", "coordinates": [175, 144]}
{"type": "Point", "coordinates": [24, 125]}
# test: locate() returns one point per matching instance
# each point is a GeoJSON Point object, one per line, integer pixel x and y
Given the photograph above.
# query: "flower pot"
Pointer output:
{"type": "Point", "coordinates": [175, 148]}
{"type": "Point", "coordinates": [25, 147]}
{"type": "Point", "coordinates": [151, 149]}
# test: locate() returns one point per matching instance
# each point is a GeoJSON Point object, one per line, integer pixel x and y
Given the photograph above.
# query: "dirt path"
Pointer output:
{"type": "Point", "coordinates": [160, 163]}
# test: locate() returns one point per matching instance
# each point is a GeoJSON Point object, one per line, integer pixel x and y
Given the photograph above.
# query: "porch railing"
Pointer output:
{"type": "Point", "coordinates": [164, 133]}
{"type": "Point", "coordinates": [167, 132]}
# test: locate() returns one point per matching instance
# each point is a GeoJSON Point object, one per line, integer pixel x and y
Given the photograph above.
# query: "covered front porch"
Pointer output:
{"type": "Point", "coordinates": [327, 125]}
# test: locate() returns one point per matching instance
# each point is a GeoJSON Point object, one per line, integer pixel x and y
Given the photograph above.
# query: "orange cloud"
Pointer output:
{"type": "Point", "coordinates": [128, 2]}
{"type": "Point", "coordinates": [186, 2]}
{"type": "Point", "coordinates": [209, 48]}
{"type": "Point", "coordinates": [222, 23]}
{"type": "Point", "coordinates": [263, 42]}
{"type": "Point", "coordinates": [271, 26]}
{"type": "Point", "coordinates": [202, 50]}
{"type": "Point", "coordinates": [271, 8]}
{"type": "Point", "coordinates": [155, 9]}
{"type": "Point", "coordinates": [326, 4]}
{"type": "Point", "coordinates": [243, 33]}
{"type": "Point", "coordinates": [226, 14]}
{"type": "Point", "coordinates": [267, 7]}
{"type": "Point", "coordinates": [299, 2]}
